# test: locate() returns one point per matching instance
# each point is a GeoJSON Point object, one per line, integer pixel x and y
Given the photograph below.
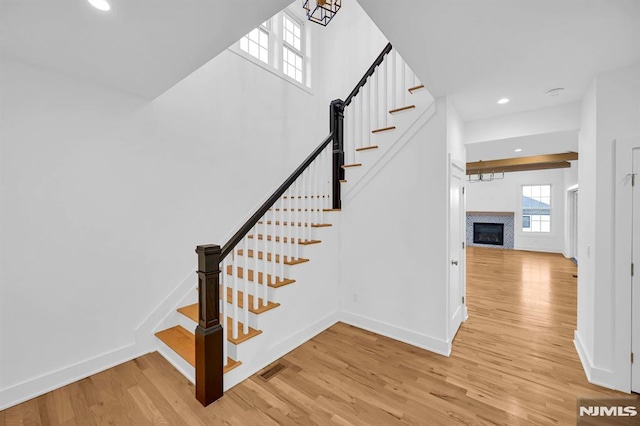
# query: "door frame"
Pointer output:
{"type": "Point", "coordinates": [572, 219]}
{"type": "Point", "coordinates": [460, 167]}
{"type": "Point", "coordinates": [623, 246]}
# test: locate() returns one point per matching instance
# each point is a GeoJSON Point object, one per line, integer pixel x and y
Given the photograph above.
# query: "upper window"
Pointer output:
{"type": "Point", "coordinates": [536, 208]}
{"type": "Point", "coordinates": [256, 43]}
{"type": "Point", "coordinates": [280, 43]}
{"type": "Point", "coordinates": [292, 48]}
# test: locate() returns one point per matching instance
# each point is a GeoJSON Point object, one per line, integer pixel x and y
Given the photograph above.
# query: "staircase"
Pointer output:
{"type": "Point", "coordinates": [231, 314]}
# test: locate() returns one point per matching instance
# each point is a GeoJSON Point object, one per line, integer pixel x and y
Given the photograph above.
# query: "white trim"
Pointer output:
{"type": "Point", "coordinates": [583, 355]}
{"type": "Point", "coordinates": [595, 375]}
{"type": "Point", "coordinates": [48, 382]}
{"type": "Point", "coordinates": [432, 344]}
{"type": "Point", "coordinates": [623, 243]}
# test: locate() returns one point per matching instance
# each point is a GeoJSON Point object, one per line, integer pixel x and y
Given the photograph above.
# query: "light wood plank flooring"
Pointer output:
{"type": "Point", "coordinates": [513, 363]}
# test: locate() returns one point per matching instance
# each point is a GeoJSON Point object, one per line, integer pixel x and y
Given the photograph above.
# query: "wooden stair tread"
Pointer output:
{"type": "Point", "coordinates": [404, 108]}
{"type": "Point", "coordinates": [418, 87]}
{"type": "Point", "coordinates": [384, 129]}
{"type": "Point", "coordinates": [343, 181]}
{"type": "Point", "coordinates": [346, 166]}
{"type": "Point", "coordinates": [331, 210]}
{"type": "Point", "coordinates": [366, 148]}
{"type": "Point", "coordinates": [277, 283]}
{"type": "Point", "coordinates": [184, 344]}
{"type": "Point", "coordinates": [313, 225]}
{"type": "Point", "coordinates": [269, 257]}
{"type": "Point", "coordinates": [191, 312]}
{"type": "Point", "coordinates": [286, 240]}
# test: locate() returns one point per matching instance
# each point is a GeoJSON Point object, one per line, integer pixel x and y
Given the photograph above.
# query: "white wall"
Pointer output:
{"type": "Point", "coordinates": [610, 111]}
{"type": "Point", "coordinates": [505, 195]}
{"type": "Point", "coordinates": [548, 120]}
{"type": "Point", "coordinates": [105, 196]}
{"type": "Point", "coordinates": [392, 282]}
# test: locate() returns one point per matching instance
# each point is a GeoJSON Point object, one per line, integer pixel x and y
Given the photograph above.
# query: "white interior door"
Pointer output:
{"type": "Point", "coordinates": [635, 292]}
{"type": "Point", "coordinates": [456, 250]}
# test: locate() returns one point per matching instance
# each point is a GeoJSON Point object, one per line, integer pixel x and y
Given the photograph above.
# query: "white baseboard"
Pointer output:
{"type": "Point", "coordinates": [540, 249]}
{"type": "Point", "coordinates": [441, 347]}
{"type": "Point", "coordinates": [46, 383]}
{"type": "Point", "coordinates": [595, 375]}
{"type": "Point", "coordinates": [279, 350]}
{"type": "Point", "coordinates": [582, 354]}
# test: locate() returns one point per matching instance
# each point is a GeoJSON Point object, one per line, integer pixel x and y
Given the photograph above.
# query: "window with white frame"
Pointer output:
{"type": "Point", "coordinates": [536, 208]}
{"type": "Point", "coordinates": [280, 43]}
{"type": "Point", "coordinates": [256, 43]}
{"type": "Point", "coordinates": [291, 48]}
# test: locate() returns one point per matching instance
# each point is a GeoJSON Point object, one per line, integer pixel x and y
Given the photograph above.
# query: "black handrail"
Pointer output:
{"type": "Point", "coordinates": [238, 236]}
{"type": "Point", "coordinates": [369, 73]}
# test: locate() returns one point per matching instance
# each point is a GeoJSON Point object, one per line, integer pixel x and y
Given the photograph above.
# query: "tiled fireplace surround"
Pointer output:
{"type": "Point", "coordinates": [507, 218]}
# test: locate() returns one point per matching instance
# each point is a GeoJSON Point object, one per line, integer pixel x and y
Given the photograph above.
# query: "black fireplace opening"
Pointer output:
{"type": "Point", "coordinates": [488, 233]}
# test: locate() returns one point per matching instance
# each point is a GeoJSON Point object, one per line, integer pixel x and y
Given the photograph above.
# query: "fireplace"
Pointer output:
{"type": "Point", "coordinates": [488, 233]}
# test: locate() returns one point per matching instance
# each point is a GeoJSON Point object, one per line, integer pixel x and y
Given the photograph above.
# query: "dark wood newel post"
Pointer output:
{"type": "Point", "coordinates": [337, 129]}
{"type": "Point", "coordinates": [209, 351]}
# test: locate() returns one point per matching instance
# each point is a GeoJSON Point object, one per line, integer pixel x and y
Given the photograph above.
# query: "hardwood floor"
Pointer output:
{"type": "Point", "coordinates": [513, 363]}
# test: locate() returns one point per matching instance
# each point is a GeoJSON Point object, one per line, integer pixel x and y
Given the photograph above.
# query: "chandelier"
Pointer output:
{"type": "Point", "coordinates": [321, 11]}
{"type": "Point", "coordinates": [484, 177]}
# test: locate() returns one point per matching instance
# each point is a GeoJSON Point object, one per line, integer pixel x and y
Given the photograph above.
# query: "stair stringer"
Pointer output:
{"type": "Point", "coordinates": [370, 168]}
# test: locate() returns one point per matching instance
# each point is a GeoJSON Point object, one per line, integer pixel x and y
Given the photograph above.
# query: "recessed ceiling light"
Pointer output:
{"type": "Point", "coordinates": [100, 4]}
{"type": "Point", "coordinates": [518, 149]}
{"type": "Point", "coordinates": [503, 101]}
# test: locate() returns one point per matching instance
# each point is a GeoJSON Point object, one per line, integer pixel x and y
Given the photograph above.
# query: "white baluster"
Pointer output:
{"type": "Point", "coordinates": [347, 129]}
{"type": "Point", "coordinates": [256, 265]}
{"type": "Point", "coordinates": [376, 98]}
{"type": "Point", "coordinates": [385, 91]}
{"type": "Point", "coordinates": [284, 230]}
{"type": "Point", "coordinates": [234, 297]}
{"type": "Point", "coordinates": [264, 264]}
{"type": "Point", "coordinates": [317, 190]}
{"type": "Point", "coordinates": [273, 245]}
{"type": "Point", "coordinates": [290, 217]}
{"type": "Point", "coordinates": [245, 287]}
{"type": "Point", "coordinates": [354, 126]}
{"type": "Point", "coordinates": [328, 190]}
{"type": "Point", "coordinates": [394, 103]}
{"type": "Point", "coordinates": [363, 131]}
{"type": "Point", "coordinates": [367, 106]}
{"type": "Point", "coordinates": [403, 85]}
{"type": "Point", "coordinates": [298, 214]}
{"type": "Point", "coordinates": [225, 332]}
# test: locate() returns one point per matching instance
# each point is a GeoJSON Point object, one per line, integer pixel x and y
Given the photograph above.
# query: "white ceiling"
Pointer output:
{"type": "Point", "coordinates": [478, 51]}
{"type": "Point", "coordinates": [540, 144]}
{"type": "Point", "coordinates": [141, 46]}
